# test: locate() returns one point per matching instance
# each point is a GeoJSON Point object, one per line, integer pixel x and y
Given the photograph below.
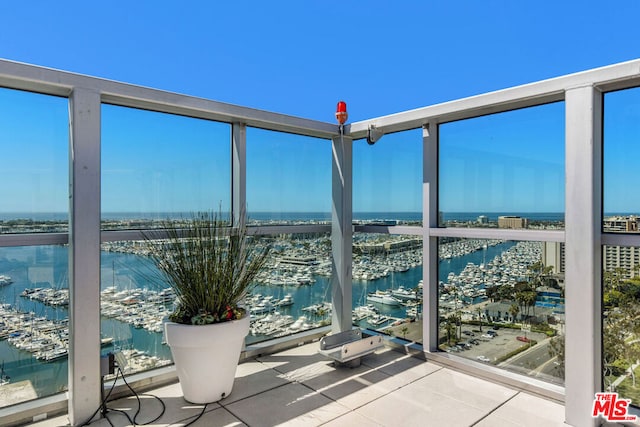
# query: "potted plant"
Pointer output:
{"type": "Point", "coordinates": [211, 267]}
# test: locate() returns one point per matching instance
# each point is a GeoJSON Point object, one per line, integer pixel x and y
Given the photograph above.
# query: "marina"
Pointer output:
{"type": "Point", "coordinates": [293, 295]}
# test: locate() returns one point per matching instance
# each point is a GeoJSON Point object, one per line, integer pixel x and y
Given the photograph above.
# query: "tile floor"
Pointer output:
{"type": "Point", "coordinates": [299, 387]}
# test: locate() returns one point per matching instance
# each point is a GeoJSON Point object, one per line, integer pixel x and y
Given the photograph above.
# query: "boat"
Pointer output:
{"type": "Point", "coordinates": [363, 312]}
{"type": "Point", "coordinates": [5, 280]}
{"type": "Point", "coordinates": [378, 320]}
{"type": "Point", "coordinates": [264, 306]}
{"type": "Point", "coordinates": [383, 298]}
{"type": "Point", "coordinates": [106, 341]}
{"type": "Point", "coordinates": [52, 355]}
{"type": "Point", "coordinates": [299, 325]}
{"type": "Point", "coordinates": [404, 294]}
{"type": "Point", "coordinates": [287, 300]}
{"type": "Point", "coordinates": [4, 378]}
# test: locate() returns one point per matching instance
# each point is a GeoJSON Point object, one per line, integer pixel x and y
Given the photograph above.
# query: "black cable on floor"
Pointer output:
{"type": "Point", "coordinates": [139, 402]}
{"type": "Point", "coordinates": [204, 408]}
{"type": "Point", "coordinates": [103, 405]}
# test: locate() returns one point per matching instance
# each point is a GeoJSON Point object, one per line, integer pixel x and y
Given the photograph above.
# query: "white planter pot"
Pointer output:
{"type": "Point", "coordinates": [206, 357]}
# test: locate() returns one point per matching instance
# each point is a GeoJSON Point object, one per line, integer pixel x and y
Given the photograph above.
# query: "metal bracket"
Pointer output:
{"type": "Point", "coordinates": [347, 347]}
{"type": "Point", "coordinates": [374, 134]}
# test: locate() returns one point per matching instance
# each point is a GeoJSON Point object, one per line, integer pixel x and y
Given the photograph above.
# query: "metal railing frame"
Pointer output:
{"type": "Point", "coordinates": [583, 236]}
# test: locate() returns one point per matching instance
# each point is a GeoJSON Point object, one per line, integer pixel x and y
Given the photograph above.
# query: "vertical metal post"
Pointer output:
{"type": "Point", "coordinates": [238, 171]}
{"type": "Point", "coordinates": [430, 244]}
{"type": "Point", "coordinates": [84, 255]}
{"type": "Point", "coordinates": [583, 253]}
{"type": "Point", "coordinates": [341, 233]}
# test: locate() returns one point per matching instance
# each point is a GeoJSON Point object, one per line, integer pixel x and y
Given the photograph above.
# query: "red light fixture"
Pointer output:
{"type": "Point", "coordinates": [341, 112]}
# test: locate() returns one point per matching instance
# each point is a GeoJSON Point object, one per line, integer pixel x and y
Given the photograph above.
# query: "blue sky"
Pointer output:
{"type": "Point", "coordinates": [300, 58]}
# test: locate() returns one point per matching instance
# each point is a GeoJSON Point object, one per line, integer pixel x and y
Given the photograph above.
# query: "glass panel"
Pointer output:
{"type": "Point", "coordinates": [387, 284]}
{"type": "Point", "coordinates": [134, 300]}
{"type": "Point", "coordinates": [387, 179]}
{"type": "Point", "coordinates": [621, 321]}
{"type": "Point", "coordinates": [293, 292]}
{"type": "Point", "coordinates": [508, 165]}
{"type": "Point", "coordinates": [34, 177]}
{"type": "Point", "coordinates": [288, 178]}
{"type": "Point", "coordinates": [34, 322]}
{"type": "Point", "coordinates": [156, 166]}
{"type": "Point", "coordinates": [501, 301]}
{"type": "Point", "coordinates": [621, 149]}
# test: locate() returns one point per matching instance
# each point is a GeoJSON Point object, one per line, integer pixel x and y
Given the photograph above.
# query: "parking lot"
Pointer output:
{"type": "Point", "coordinates": [504, 342]}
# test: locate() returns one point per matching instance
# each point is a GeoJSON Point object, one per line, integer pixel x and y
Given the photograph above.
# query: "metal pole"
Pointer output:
{"type": "Point", "coordinates": [341, 233]}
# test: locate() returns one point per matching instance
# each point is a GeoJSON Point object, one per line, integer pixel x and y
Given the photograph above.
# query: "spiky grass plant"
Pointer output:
{"type": "Point", "coordinates": [210, 266]}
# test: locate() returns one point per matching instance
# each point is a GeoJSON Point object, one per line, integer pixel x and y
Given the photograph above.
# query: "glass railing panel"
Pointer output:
{"type": "Point", "coordinates": [387, 179]}
{"type": "Point", "coordinates": [134, 302]}
{"type": "Point", "coordinates": [288, 178]}
{"type": "Point", "coordinates": [502, 303]}
{"type": "Point", "coordinates": [621, 321]}
{"type": "Point", "coordinates": [34, 177]}
{"type": "Point", "coordinates": [621, 149]}
{"type": "Point", "coordinates": [34, 322]}
{"type": "Point", "coordinates": [387, 284]}
{"type": "Point", "coordinates": [503, 170]}
{"type": "Point", "coordinates": [293, 292]}
{"type": "Point", "coordinates": [157, 166]}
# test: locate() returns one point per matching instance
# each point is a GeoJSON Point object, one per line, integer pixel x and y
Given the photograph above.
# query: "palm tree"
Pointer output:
{"type": "Point", "coordinates": [450, 328]}
{"type": "Point", "coordinates": [531, 298]}
{"type": "Point", "coordinates": [404, 331]}
{"type": "Point", "coordinates": [513, 311]}
{"type": "Point", "coordinates": [479, 310]}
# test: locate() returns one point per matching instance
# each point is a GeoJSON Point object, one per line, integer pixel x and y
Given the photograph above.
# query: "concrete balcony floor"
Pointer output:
{"type": "Point", "coordinates": [299, 387]}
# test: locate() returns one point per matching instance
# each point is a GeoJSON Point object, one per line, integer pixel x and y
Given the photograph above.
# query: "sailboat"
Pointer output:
{"type": "Point", "coordinates": [4, 378]}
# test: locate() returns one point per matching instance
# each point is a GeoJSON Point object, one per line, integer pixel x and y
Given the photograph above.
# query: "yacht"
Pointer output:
{"type": "Point", "coordinates": [404, 294]}
{"type": "Point", "coordinates": [287, 300]}
{"type": "Point", "coordinates": [383, 298]}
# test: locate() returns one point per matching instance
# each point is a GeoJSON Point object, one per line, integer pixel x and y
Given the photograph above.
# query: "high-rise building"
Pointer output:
{"type": "Point", "coordinates": [553, 255]}
{"type": "Point", "coordinates": [508, 221]}
{"type": "Point", "coordinates": [624, 257]}
{"type": "Point", "coordinates": [621, 224]}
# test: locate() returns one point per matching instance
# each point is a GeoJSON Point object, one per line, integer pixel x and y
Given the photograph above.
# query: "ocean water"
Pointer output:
{"type": "Point", "coordinates": [296, 216]}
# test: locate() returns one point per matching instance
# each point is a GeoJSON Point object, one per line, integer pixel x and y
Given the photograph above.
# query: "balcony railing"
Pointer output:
{"type": "Point", "coordinates": [571, 176]}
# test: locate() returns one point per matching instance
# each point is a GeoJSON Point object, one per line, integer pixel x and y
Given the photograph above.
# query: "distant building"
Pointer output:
{"type": "Point", "coordinates": [621, 224]}
{"type": "Point", "coordinates": [553, 255]}
{"type": "Point", "coordinates": [483, 220]}
{"type": "Point", "coordinates": [508, 221]}
{"type": "Point", "coordinates": [388, 247]}
{"type": "Point", "coordinates": [624, 257]}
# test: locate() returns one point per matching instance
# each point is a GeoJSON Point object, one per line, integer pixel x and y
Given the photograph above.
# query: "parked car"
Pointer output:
{"type": "Point", "coordinates": [523, 339]}
{"type": "Point", "coordinates": [483, 359]}
{"type": "Point", "coordinates": [487, 336]}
